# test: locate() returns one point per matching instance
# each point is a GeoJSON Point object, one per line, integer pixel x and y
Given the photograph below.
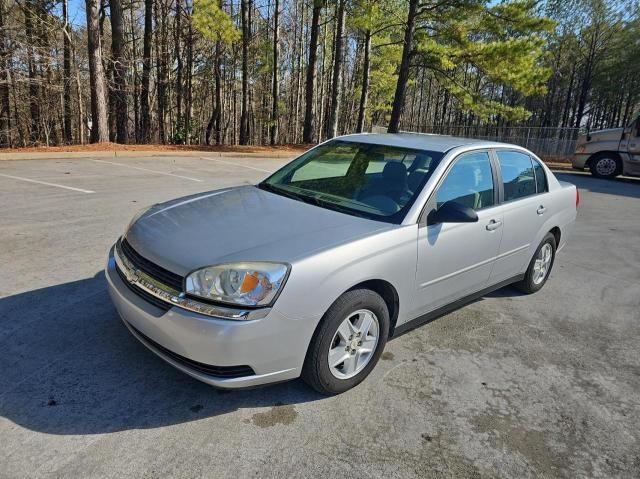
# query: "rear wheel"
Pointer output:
{"type": "Point", "coordinates": [348, 342]}
{"type": "Point", "coordinates": [540, 266]}
{"type": "Point", "coordinates": [606, 165]}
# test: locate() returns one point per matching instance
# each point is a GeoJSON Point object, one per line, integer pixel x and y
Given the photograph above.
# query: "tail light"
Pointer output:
{"type": "Point", "coordinates": [577, 198]}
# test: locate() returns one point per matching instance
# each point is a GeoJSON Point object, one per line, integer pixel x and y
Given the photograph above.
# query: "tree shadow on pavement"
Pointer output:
{"type": "Point", "coordinates": [629, 187]}
{"type": "Point", "coordinates": [71, 367]}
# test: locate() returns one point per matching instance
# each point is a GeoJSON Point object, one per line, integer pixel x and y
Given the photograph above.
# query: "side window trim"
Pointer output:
{"type": "Point", "coordinates": [498, 188]}
{"type": "Point", "coordinates": [428, 205]}
{"type": "Point", "coordinates": [535, 162]}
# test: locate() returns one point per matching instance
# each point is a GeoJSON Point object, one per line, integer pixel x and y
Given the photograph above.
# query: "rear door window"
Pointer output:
{"type": "Point", "coordinates": [518, 178]}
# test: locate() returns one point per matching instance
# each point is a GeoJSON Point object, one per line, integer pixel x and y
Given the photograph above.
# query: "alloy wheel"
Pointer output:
{"type": "Point", "coordinates": [606, 166]}
{"type": "Point", "coordinates": [353, 344]}
{"type": "Point", "coordinates": [542, 264]}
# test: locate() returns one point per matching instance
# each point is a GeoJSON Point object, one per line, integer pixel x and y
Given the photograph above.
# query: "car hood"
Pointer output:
{"type": "Point", "coordinates": [611, 134]}
{"type": "Point", "coordinates": [240, 224]}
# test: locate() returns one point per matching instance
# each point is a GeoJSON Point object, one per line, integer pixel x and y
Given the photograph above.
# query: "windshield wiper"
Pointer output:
{"type": "Point", "coordinates": [278, 191]}
{"type": "Point", "coordinates": [336, 207]}
{"type": "Point", "coordinates": [310, 199]}
{"type": "Point", "coordinates": [289, 194]}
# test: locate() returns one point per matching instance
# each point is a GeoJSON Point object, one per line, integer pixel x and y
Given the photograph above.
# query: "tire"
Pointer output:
{"type": "Point", "coordinates": [532, 281]}
{"type": "Point", "coordinates": [353, 306]}
{"type": "Point", "coordinates": [605, 165]}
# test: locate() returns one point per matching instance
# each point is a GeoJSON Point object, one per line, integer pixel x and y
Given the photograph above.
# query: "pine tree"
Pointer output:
{"type": "Point", "coordinates": [502, 42]}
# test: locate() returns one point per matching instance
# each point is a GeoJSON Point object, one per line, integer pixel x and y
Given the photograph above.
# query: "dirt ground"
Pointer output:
{"type": "Point", "coordinates": [560, 163]}
{"type": "Point", "coordinates": [107, 147]}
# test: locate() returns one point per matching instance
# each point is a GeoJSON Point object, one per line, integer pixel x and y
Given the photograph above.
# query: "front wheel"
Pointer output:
{"type": "Point", "coordinates": [540, 266]}
{"type": "Point", "coordinates": [606, 166]}
{"type": "Point", "coordinates": [348, 342]}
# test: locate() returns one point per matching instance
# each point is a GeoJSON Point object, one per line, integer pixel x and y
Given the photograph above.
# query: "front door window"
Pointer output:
{"type": "Point", "coordinates": [468, 182]}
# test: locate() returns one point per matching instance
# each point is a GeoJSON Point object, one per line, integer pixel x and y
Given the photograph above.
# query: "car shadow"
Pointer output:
{"type": "Point", "coordinates": [505, 292]}
{"type": "Point", "coordinates": [508, 291]}
{"type": "Point", "coordinates": [71, 367]}
{"type": "Point", "coordinates": [626, 186]}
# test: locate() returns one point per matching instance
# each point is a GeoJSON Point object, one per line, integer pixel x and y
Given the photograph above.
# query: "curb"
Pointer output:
{"type": "Point", "coordinates": [71, 155]}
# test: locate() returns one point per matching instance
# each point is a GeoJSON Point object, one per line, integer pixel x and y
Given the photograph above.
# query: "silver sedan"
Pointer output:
{"type": "Point", "coordinates": [311, 271]}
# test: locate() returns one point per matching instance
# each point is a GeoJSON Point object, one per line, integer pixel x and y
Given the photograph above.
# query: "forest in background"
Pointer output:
{"type": "Point", "coordinates": [264, 72]}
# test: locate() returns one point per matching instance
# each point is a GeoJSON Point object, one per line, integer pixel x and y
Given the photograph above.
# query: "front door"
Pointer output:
{"type": "Point", "coordinates": [455, 259]}
{"type": "Point", "coordinates": [631, 143]}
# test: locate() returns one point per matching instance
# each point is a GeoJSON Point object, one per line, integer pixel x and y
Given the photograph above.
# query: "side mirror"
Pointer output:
{"type": "Point", "coordinates": [452, 212]}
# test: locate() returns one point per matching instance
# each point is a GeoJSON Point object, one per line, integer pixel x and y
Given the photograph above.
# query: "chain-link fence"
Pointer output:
{"type": "Point", "coordinates": [543, 141]}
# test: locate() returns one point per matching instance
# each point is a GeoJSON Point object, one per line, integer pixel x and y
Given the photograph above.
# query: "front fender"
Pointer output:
{"type": "Point", "coordinates": [317, 281]}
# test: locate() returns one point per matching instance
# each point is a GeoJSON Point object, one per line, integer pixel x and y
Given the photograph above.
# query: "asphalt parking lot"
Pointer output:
{"type": "Point", "coordinates": [510, 386]}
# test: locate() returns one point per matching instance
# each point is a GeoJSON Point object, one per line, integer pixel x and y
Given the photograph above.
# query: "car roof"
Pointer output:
{"type": "Point", "coordinates": [420, 141]}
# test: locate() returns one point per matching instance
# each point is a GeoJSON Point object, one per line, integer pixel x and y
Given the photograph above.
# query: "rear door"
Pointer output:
{"type": "Point", "coordinates": [525, 207]}
{"type": "Point", "coordinates": [455, 259]}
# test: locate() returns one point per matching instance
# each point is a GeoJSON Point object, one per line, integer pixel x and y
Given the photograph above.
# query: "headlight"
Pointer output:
{"type": "Point", "coordinates": [242, 284]}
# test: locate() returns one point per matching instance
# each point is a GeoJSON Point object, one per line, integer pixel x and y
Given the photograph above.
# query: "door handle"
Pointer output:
{"type": "Point", "coordinates": [493, 225]}
{"type": "Point", "coordinates": [541, 210]}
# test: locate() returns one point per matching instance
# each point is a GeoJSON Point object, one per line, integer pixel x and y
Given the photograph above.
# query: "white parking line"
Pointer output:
{"type": "Point", "coordinates": [235, 164]}
{"type": "Point", "coordinates": [46, 183]}
{"type": "Point", "coordinates": [145, 169]}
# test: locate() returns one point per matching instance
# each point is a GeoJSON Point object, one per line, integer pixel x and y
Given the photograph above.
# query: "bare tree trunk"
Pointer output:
{"type": "Point", "coordinates": [34, 100]}
{"type": "Point", "coordinates": [145, 109]}
{"type": "Point", "coordinates": [111, 101]}
{"type": "Point", "coordinates": [218, 94]}
{"type": "Point", "coordinates": [298, 86]}
{"type": "Point", "coordinates": [587, 78]}
{"type": "Point", "coordinates": [82, 121]}
{"type": "Point", "coordinates": [66, 76]}
{"type": "Point", "coordinates": [364, 94]}
{"type": "Point", "coordinates": [215, 123]}
{"type": "Point", "coordinates": [307, 133]}
{"type": "Point", "coordinates": [161, 68]}
{"type": "Point", "coordinates": [135, 76]}
{"type": "Point", "coordinates": [403, 74]}
{"type": "Point", "coordinates": [99, 125]}
{"type": "Point", "coordinates": [336, 90]}
{"type": "Point", "coordinates": [5, 106]}
{"type": "Point", "coordinates": [323, 81]}
{"type": "Point", "coordinates": [179, 66]}
{"type": "Point", "coordinates": [245, 5]}
{"type": "Point", "coordinates": [189, 105]}
{"type": "Point", "coordinates": [119, 72]}
{"type": "Point", "coordinates": [274, 92]}
{"type": "Point", "coordinates": [22, 136]}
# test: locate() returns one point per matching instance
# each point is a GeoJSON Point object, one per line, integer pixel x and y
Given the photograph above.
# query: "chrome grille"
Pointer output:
{"type": "Point", "coordinates": [157, 302]}
{"type": "Point", "coordinates": [157, 272]}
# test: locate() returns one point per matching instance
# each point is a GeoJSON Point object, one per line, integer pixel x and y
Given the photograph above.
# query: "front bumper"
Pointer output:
{"type": "Point", "coordinates": [578, 160]}
{"type": "Point", "coordinates": [274, 346]}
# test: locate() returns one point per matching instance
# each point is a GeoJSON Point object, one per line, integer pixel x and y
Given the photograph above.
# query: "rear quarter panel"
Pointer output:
{"type": "Point", "coordinates": [564, 200]}
{"type": "Point", "coordinates": [561, 208]}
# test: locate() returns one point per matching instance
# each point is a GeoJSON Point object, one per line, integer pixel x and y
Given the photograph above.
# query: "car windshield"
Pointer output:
{"type": "Point", "coordinates": [374, 181]}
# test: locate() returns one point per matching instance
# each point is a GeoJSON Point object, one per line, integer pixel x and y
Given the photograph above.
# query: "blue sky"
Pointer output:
{"type": "Point", "coordinates": [76, 12]}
